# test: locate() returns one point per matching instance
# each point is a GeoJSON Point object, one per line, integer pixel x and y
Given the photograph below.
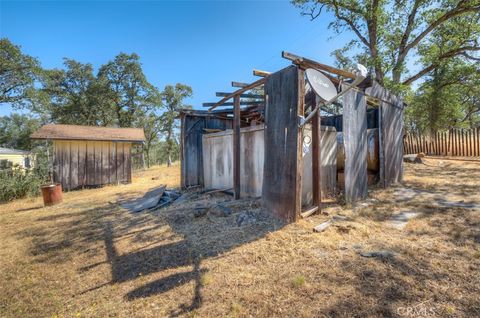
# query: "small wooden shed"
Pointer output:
{"type": "Point", "coordinates": [86, 156]}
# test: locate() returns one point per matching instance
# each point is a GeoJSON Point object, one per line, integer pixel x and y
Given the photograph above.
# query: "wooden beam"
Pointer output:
{"type": "Point", "coordinates": [307, 63]}
{"type": "Point", "coordinates": [239, 84]}
{"type": "Point", "coordinates": [222, 94]}
{"type": "Point", "coordinates": [260, 73]}
{"type": "Point", "coordinates": [316, 160]}
{"type": "Point", "coordinates": [309, 212]}
{"type": "Point", "coordinates": [243, 102]}
{"type": "Point", "coordinates": [236, 147]}
{"type": "Point", "coordinates": [240, 91]}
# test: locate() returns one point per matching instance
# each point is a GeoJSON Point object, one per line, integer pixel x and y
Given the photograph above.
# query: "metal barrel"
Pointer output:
{"type": "Point", "coordinates": [52, 194]}
{"type": "Point", "coordinates": [372, 152]}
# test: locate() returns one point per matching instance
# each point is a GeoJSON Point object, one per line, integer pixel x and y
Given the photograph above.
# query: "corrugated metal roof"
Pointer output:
{"type": "Point", "coordinates": [77, 132]}
{"type": "Point", "coordinates": [11, 151]}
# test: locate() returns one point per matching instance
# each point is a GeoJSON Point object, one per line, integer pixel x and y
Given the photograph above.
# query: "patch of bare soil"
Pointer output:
{"type": "Point", "coordinates": [208, 256]}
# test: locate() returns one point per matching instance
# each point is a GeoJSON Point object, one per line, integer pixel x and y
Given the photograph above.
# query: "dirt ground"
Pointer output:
{"type": "Point", "coordinates": [89, 257]}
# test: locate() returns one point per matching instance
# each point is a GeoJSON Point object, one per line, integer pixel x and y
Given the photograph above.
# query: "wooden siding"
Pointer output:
{"type": "Point", "coordinates": [355, 141]}
{"type": "Point", "coordinates": [328, 164]}
{"type": "Point", "coordinates": [390, 135]}
{"type": "Point", "coordinates": [191, 152]}
{"type": "Point", "coordinates": [218, 160]}
{"type": "Point", "coordinates": [281, 191]}
{"type": "Point", "coordinates": [79, 164]}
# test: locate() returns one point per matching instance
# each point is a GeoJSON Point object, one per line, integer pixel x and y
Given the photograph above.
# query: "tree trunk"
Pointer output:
{"type": "Point", "coordinates": [169, 145]}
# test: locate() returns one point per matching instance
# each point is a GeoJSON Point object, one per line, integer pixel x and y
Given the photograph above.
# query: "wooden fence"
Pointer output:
{"type": "Point", "coordinates": [455, 142]}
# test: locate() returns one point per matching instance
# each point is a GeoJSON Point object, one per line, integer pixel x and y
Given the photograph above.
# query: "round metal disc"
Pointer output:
{"type": "Point", "coordinates": [321, 85]}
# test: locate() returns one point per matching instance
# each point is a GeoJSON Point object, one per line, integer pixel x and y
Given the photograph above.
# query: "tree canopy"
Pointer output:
{"type": "Point", "coordinates": [389, 32]}
{"type": "Point", "coordinates": [18, 73]}
{"type": "Point", "coordinates": [432, 44]}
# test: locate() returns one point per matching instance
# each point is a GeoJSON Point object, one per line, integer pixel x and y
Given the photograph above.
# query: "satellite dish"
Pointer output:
{"type": "Point", "coordinates": [321, 85]}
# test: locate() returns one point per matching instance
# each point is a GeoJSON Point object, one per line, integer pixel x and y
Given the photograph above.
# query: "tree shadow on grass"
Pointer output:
{"type": "Point", "coordinates": [165, 240]}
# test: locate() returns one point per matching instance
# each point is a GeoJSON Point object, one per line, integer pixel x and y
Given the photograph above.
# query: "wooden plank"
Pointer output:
{"type": "Point", "coordinates": [242, 90]}
{"type": "Point", "coordinates": [355, 145]}
{"type": "Point", "coordinates": [470, 148]}
{"type": "Point", "coordinates": [308, 63]}
{"type": "Point", "coordinates": [261, 73]}
{"type": "Point", "coordinates": [97, 145]}
{"type": "Point", "coordinates": [113, 163]}
{"type": "Point", "coordinates": [182, 150]}
{"type": "Point", "coordinates": [56, 162]}
{"type": "Point", "coordinates": [281, 191]}
{"type": "Point", "coordinates": [66, 165]}
{"type": "Point", "coordinates": [247, 95]}
{"type": "Point", "coordinates": [236, 148]}
{"type": "Point", "coordinates": [243, 102]}
{"type": "Point", "coordinates": [120, 163]}
{"type": "Point", "coordinates": [74, 167]}
{"type": "Point", "coordinates": [90, 163]}
{"type": "Point", "coordinates": [391, 135]}
{"type": "Point", "coordinates": [128, 161]}
{"type": "Point", "coordinates": [309, 212]}
{"type": "Point", "coordinates": [316, 161]}
{"type": "Point", "coordinates": [239, 84]}
{"type": "Point", "coordinates": [105, 162]}
{"type": "Point", "coordinates": [82, 161]}
{"type": "Point", "coordinates": [476, 141]}
{"type": "Point", "coordinates": [328, 161]}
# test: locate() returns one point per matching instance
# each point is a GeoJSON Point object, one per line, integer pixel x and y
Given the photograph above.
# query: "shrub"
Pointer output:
{"type": "Point", "coordinates": [20, 183]}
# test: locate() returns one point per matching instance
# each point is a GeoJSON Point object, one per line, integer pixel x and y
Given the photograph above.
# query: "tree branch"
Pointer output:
{"type": "Point", "coordinates": [444, 56]}
{"type": "Point", "coordinates": [456, 12]}
{"type": "Point", "coordinates": [350, 24]}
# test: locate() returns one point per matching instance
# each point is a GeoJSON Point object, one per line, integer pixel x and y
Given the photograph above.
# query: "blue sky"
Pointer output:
{"type": "Point", "coordinates": [203, 44]}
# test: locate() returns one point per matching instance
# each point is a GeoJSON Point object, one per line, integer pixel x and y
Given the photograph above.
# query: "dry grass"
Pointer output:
{"type": "Point", "coordinates": [88, 257]}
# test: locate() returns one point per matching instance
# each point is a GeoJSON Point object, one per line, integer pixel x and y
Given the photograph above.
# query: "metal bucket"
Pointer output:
{"type": "Point", "coordinates": [52, 194]}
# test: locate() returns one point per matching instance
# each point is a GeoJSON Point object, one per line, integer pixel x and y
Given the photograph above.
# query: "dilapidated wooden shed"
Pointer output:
{"type": "Point", "coordinates": [86, 156]}
{"type": "Point", "coordinates": [264, 149]}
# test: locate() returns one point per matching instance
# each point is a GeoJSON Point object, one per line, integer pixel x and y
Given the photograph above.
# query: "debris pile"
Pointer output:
{"type": "Point", "coordinates": [152, 200]}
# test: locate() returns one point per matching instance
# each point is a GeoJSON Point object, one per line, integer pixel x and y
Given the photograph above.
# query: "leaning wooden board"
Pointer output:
{"type": "Point", "coordinates": [355, 139]}
{"type": "Point", "coordinates": [281, 191]}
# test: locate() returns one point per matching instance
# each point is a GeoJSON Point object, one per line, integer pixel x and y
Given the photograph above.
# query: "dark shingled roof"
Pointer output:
{"type": "Point", "coordinates": [76, 132]}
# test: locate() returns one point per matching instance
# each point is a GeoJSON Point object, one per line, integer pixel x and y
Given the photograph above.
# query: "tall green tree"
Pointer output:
{"type": "Point", "coordinates": [130, 92]}
{"type": "Point", "coordinates": [15, 131]}
{"type": "Point", "coordinates": [18, 73]}
{"type": "Point", "coordinates": [152, 126]}
{"type": "Point", "coordinates": [173, 99]}
{"type": "Point", "coordinates": [388, 32]}
{"type": "Point", "coordinates": [75, 96]}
